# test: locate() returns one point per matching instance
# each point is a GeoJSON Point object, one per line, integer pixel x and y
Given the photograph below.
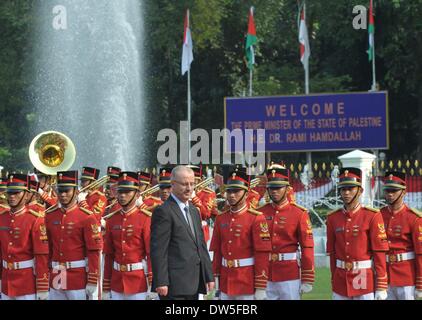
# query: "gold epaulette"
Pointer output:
{"type": "Point", "coordinates": [262, 206]}
{"type": "Point", "coordinates": [154, 198]}
{"type": "Point", "coordinates": [40, 205]}
{"type": "Point", "coordinates": [220, 213]}
{"type": "Point", "coordinates": [333, 211]}
{"type": "Point", "coordinates": [36, 213]}
{"type": "Point", "coordinates": [372, 209]}
{"type": "Point", "coordinates": [146, 212]}
{"type": "Point", "coordinates": [252, 190]}
{"type": "Point", "coordinates": [298, 206]}
{"type": "Point", "coordinates": [88, 212]}
{"type": "Point", "coordinates": [4, 208]}
{"type": "Point", "coordinates": [255, 212]}
{"type": "Point", "coordinates": [111, 214]}
{"type": "Point", "coordinates": [155, 205]}
{"type": "Point", "coordinates": [416, 211]}
{"type": "Point", "coordinates": [51, 209]}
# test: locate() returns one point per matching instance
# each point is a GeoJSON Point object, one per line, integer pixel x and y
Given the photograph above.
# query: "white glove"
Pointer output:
{"type": "Point", "coordinates": [260, 294]}
{"type": "Point", "coordinates": [139, 202]}
{"type": "Point", "coordinates": [90, 290]}
{"type": "Point", "coordinates": [380, 295]}
{"type": "Point", "coordinates": [41, 191]}
{"type": "Point", "coordinates": [103, 223]}
{"type": "Point", "coordinates": [305, 287]}
{"type": "Point", "coordinates": [82, 196]}
{"type": "Point", "coordinates": [418, 294]}
{"type": "Point", "coordinates": [106, 295]}
{"type": "Point", "coordinates": [43, 295]}
{"type": "Point", "coordinates": [193, 194]}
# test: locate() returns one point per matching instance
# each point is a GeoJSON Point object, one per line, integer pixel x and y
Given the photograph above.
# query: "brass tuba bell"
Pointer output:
{"type": "Point", "coordinates": [52, 151]}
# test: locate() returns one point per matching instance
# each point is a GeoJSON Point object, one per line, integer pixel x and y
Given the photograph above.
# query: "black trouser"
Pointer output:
{"type": "Point", "coordinates": [168, 297]}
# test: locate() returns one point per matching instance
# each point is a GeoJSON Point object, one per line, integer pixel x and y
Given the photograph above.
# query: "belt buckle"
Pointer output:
{"type": "Point", "coordinates": [63, 264]}
{"type": "Point", "coordinates": [123, 268]}
{"type": "Point", "coordinates": [10, 266]}
{"type": "Point", "coordinates": [348, 266]}
{"type": "Point", "coordinates": [230, 263]}
{"type": "Point", "coordinates": [274, 257]}
{"type": "Point", "coordinates": [392, 258]}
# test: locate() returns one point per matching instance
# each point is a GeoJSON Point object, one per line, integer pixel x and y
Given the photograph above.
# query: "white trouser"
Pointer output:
{"type": "Point", "coordinates": [67, 294]}
{"type": "Point", "coordinates": [224, 296]}
{"type": "Point", "coordinates": [25, 297]}
{"type": "Point", "coordinates": [121, 296]}
{"type": "Point", "coordinates": [368, 296]}
{"type": "Point", "coordinates": [401, 293]}
{"type": "Point", "coordinates": [283, 290]}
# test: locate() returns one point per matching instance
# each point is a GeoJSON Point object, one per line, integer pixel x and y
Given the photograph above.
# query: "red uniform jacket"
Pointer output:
{"type": "Point", "coordinates": [204, 202]}
{"type": "Point", "coordinates": [151, 202]}
{"type": "Point", "coordinates": [74, 235]}
{"type": "Point", "coordinates": [404, 233]}
{"type": "Point", "coordinates": [127, 241]}
{"type": "Point", "coordinates": [357, 236]}
{"type": "Point", "coordinates": [239, 236]}
{"type": "Point", "coordinates": [50, 198]}
{"type": "Point", "coordinates": [23, 236]}
{"type": "Point", "coordinates": [36, 206]}
{"type": "Point", "coordinates": [95, 202]}
{"type": "Point", "coordinates": [253, 198]}
{"type": "Point", "coordinates": [290, 227]}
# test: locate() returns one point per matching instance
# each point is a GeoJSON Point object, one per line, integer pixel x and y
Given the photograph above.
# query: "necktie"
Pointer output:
{"type": "Point", "coordinates": [189, 219]}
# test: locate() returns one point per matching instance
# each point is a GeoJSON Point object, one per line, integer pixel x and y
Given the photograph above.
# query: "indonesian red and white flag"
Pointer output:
{"type": "Point", "coordinates": [305, 49]}
{"type": "Point", "coordinates": [187, 54]}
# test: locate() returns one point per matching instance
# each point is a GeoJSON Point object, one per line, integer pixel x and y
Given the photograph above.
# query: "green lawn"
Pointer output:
{"type": "Point", "coordinates": [322, 287]}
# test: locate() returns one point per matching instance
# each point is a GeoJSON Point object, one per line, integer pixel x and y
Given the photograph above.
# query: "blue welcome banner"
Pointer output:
{"type": "Point", "coordinates": [318, 122]}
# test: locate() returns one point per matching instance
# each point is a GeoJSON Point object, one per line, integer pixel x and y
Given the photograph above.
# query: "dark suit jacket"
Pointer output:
{"type": "Point", "coordinates": [179, 260]}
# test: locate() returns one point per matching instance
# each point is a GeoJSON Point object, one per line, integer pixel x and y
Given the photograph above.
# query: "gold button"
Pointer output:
{"type": "Point", "coordinates": [10, 256]}
{"type": "Point", "coordinates": [232, 219]}
{"type": "Point", "coordinates": [61, 254]}
{"type": "Point", "coordinates": [276, 222]}
{"type": "Point", "coordinates": [274, 247]}
{"type": "Point", "coordinates": [347, 257]}
{"type": "Point", "coordinates": [124, 219]}
{"type": "Point", "coordinates": [123, 229]}
{"type": "Point", "coordinates": [276, 212]}
{"type": "Point", "coordinates": [12, 221]}
{"type": "Point", "coordinates": [347, 243]}
{"type": "Point", "coordinates": [347, 230]}
{"type": "Point", "coordinates": [349, 220]}
{"type": "Point", "coordinates": [124, 254]}
{"type": "Point", "coordinates": [10, 243]}
{"type": "Point", "coordinates": [61, 240]}
{"type": "Point", "coordinates": [230, 241]}
{"type": "Point", "coordinates": [230, 253]}
{"type": "Point", "coordinates": [231, 229]}
{"type": "Point", "coordinates": [62, 227]}
{"type": "Point", "coordinates": [124, 241]}
{"type": "Point", "coordinates": [11, 232]}
{"type": "Point", "coordinates": [389, 241]}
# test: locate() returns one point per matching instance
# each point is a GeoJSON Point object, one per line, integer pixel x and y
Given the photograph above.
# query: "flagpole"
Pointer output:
{"type": "Point", "coordinates": [374, 75]}
{"type": "Point", "coordinates": [189, 118]}
{"type": "Point", "coordinates": [250, 81]}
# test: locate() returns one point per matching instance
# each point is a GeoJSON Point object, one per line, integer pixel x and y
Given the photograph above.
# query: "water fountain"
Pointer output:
{"type": "Point", "coordinates": [88, 79]}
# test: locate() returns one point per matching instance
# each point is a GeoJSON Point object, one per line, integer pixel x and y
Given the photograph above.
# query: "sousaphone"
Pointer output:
{"type": "Point", "coordinates": [52, 151]}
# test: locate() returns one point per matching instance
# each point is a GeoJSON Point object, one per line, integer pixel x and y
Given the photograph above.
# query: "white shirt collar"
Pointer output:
{"type": "Point", "coordinates": [180, 203]}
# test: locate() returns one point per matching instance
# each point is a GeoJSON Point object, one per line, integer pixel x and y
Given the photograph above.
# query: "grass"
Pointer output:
{"type": "Point", "coordinates": [322, 286]}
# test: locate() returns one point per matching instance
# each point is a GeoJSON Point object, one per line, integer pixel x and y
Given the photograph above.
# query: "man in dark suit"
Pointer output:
{"type": "Point", "coordinates": [181, 265]}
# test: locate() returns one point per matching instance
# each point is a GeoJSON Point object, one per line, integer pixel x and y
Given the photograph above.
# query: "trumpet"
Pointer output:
{"type": "Point", "coordinates": [96, 184]}
{"type": "Point", "coordinates": [203, 184]}
{"type": "Point", "coordinates": [150, 190]}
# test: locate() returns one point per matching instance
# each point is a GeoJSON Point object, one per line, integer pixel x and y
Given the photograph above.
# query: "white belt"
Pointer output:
{"type": "Point", "coordinates": [204, 223]}
{"type": "Point", "coordinates": [127, 267]}
{"type": "Point", "coordinates": [354, 265]}
{"type": "Point", "coordinates": [18, 265]}
{"type": "Point", "coordinates": [235, 263]}
{"type": "Point", "coordinates": [69, 264]}
{"type": "Point", "coordinates": [283, 256]}
{"type": "Point", "coordinates": [398, 257]}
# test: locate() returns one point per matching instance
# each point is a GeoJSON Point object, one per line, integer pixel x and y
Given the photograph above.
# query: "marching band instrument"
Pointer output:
{"type": "Point", "coordinates": [96, 184]}
{"type": "Point", "coordinates": [52, 151]}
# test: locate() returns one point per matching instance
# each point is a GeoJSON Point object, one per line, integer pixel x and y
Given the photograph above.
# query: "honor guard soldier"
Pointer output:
{"type": "Point", "coordinates": [93, 200]}
{"type": "Point", "coordinates": [23, 246]}
{"type": "Point", "coordinates": [164, 180]}
{"type": "Point", "coordinates": [357, 244]}
{"type": "Point", "coordinates": [3, 188]}
{"type": "Point", "coordinates": [33, 202]}
{"type": "Point", "coordinates": [203, 200]}
{"type": "Point", "coordinates": [127, 245]}
{"type": "Point", "coordinates": [75, 243]}
{"type": "Point", "coordinates": [290, 274]}
{"type": "Point", "coordinates": [45, 189]}
{"type": "Point", "coordinates": [241, 243]}
{"type": "Point", "coordinates": [404, 232]}
{"type": "Point", "coordinates": [111, 190]}
{"type": "Point", "coordinates": [148, 201]}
